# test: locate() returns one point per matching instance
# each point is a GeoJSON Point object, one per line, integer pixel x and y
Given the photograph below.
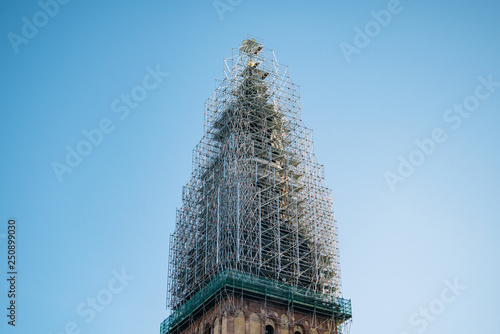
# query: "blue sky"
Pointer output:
{"type": "Point", "coordinates": [419, 253]}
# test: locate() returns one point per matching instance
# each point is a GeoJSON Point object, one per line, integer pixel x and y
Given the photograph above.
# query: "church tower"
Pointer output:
{"type": "Point", "coordinates": [255, 247]}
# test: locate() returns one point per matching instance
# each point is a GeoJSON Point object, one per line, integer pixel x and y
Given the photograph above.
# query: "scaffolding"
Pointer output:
{"type": "Point", "coordinates": [257, 203]}
{"type": "Point", "coordinates": [230, 283]}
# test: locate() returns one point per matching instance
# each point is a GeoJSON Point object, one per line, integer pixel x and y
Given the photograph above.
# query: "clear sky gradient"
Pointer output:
{"type": "Point", "coordinates": [385, 85]}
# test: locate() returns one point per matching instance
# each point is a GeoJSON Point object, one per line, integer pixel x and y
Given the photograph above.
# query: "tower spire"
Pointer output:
{"type": "Point", "coordinates": [256, 229]}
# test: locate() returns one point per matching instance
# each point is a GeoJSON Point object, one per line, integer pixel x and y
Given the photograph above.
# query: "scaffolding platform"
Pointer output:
{"type": "Point", "coordinates": [257, 287]}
